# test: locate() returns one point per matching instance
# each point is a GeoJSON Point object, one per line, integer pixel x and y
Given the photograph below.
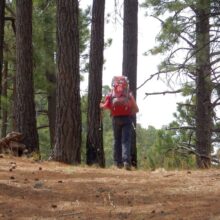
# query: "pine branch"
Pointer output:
{"type": "Point", "coordinates": [216, 130]}
{"type": "Point", "coordinates": [164, 93]}
{"type": "Point", "coordinates": [43, 112]}
{"type": "Point", "coordinates": [215, 103]}
{"type": "Point", "coordinates": [10, 10]}
{"type": "Point", "coordinates": [182, 127]}
{"type": "Point", "coordinates": [215, 61]}
{"type": "Point", "coordinates": [151, 76]}
{"type": "Point", "coordinates": [191, 150]}
{"type": "Point", "coordinates": [12, 19]}
{"type": "Point", "coordinates": [42, 127]}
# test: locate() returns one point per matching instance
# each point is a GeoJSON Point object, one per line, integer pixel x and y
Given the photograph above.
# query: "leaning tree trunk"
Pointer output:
{"type": "Point", "coordinates": [68, 114]}
{"type": "Point", "coordinates": [94, 145]}
{"type": "Point", "coordinates": [203, 86]}
{"type": "Point", "coordinates": [2, 21]}
{"type": "Point", "coordinates": [129, 67]}
{"type": "Point", "coordinates": [25, 115]}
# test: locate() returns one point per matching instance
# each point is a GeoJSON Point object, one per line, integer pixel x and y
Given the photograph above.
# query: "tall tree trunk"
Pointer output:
{"type": "Point", "coordinates": [4, 94]}
{"type": "Point", "coordinates": [51, 97]}
{"type": "Point", "coordinates": [203, 86]}
{"type": "Point", "coordinates": [68, 113]}
{"type": "Point", "coordinates": [129, 67]}
{"type": "Point", "coordinates": [50, 72]}
{"type": "Point", "coordinates": [94, 145]}
{"type": "Point", "coordinates": [2, 22]}
{"type": "Point", "coordinates": [25, 115]}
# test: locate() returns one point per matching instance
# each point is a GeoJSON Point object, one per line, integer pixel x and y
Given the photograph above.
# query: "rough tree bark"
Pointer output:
{"type": "Point", "coordinates": [94, 145]}
{"type": "Point", "coordinates": [24, 111]}
{"type": "Point", "coordinates": [4, 94]}
{"type": "Point", "coordinates": [203, 85]}
{"type": "Point", "coordinates": [68, 113]}
{"type": "Point", "coordinates": [129, 66]}
{"type": "Point", "coordinates": [2, 22]}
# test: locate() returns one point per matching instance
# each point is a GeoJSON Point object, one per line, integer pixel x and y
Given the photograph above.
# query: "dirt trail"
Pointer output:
{"type": "Point", "coordinates": [50, 190]}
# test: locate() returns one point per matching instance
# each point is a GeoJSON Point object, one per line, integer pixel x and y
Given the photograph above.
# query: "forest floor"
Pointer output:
{"type": "Point", "coordinates": [49, 190]}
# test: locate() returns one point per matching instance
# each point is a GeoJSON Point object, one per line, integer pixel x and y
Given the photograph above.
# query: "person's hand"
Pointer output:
{"type": "Point", "coordinates": [101, 105]}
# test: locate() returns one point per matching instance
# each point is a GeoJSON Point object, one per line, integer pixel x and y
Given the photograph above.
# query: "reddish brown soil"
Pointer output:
{"type": "Point", "coordinates": [49, 190]}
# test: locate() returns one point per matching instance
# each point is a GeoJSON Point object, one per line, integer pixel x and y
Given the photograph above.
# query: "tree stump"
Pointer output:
{"type": "Point", "coordinates": [11, 144]}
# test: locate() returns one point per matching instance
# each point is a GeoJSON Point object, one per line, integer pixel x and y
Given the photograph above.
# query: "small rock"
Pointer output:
{"type": "Point", "coordinates": [38, 185]}
{"type": "Point", "coordinates": [54, 206]}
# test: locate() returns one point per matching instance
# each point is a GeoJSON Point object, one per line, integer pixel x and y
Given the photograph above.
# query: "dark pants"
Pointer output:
{"type": "Point", "coordinates": [122, 126]}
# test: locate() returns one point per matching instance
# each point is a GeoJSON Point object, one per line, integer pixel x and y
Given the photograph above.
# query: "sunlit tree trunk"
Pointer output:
{"type": "Point", "coordinates": [129, 67]}
{"type": "Point", "coordinates": [68, 113]}
{"type": "Point", "coordinates": [25, 115]}
{"type": "Point", "coordinates": [203, 85]}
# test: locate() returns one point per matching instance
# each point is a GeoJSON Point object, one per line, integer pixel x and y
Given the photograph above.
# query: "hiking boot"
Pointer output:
{"type": "Point", "coordinates": [120, 166]}
{"type": "Point", "coordinates": [127, 166]}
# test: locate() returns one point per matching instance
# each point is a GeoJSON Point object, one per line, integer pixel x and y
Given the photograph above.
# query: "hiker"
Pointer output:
{"type": "Point", "coordinates": [123, 107]}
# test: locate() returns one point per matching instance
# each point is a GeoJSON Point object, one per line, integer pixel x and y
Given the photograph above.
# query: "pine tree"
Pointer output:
{"type": "Point", "coordinates": [24, 110]}
{"type": "Point", "coordinates": [68, 113]}
{"type": "Point", "coordinates": [187, 35]}
{"type": "Point", "coordinates": [95, 152]}
{"type": "Point", "coordinates": [2, 21]}
{"type": "Point", "coordinates": [129, 67]}
{"type": "Point", "coordinates": [203, 85]}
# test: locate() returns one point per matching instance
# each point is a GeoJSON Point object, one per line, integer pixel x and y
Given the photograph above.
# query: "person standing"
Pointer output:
{"type": "Point", "coordinates": [123, 107]}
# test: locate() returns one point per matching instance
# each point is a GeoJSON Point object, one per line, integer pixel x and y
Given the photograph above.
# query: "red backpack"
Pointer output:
{"type": "Point", "coordinates": [120, 97]}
